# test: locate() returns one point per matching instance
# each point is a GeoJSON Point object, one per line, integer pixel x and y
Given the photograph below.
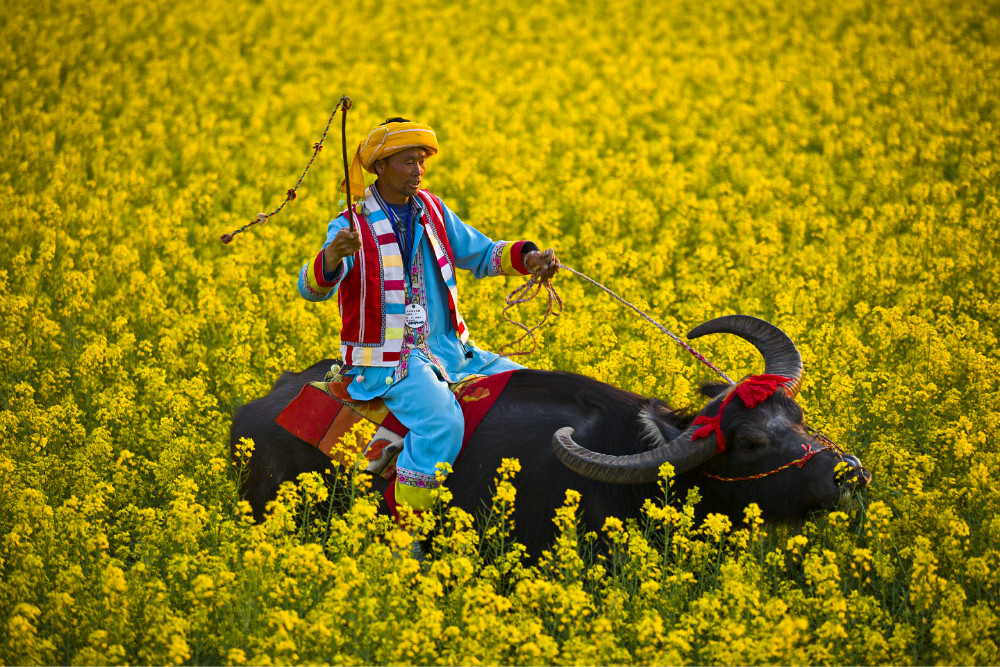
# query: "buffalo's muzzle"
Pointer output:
{"type": "Point", "coordinates": [856, 475]}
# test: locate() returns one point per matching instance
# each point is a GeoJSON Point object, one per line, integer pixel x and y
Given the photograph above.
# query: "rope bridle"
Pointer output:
{"type": "Point", "coordinates": [809, 452]}
{"type": "Point", "coordinates": [525, 293]}
{"type": "Point", "coordinates": [797, 463]}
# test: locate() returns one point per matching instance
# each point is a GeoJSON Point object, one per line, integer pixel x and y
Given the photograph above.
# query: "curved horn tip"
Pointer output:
{"type": "Point", "coordinates": [564, 432]}
{"type": "Point", "coordinates": [563, 444]}
{"type": "Point", "coordinates": [781, 357]}
{"type": "Point", "coordinates": [726, 324]}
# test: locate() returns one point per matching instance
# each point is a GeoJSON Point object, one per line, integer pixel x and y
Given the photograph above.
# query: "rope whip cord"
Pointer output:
{"type": "Point", "coordinates": [345, 104]}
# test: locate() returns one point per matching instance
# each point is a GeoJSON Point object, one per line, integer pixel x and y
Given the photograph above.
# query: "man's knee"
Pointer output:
{"type": "Point", "coordinates": [450, 418]}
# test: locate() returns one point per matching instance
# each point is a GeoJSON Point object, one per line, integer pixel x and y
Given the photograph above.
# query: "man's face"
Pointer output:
{"type": "Point", "coordinates": [400, 174]}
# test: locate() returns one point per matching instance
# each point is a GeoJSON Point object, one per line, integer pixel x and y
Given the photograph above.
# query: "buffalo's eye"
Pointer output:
{"type": "Point", "coordinates": [754, 444]}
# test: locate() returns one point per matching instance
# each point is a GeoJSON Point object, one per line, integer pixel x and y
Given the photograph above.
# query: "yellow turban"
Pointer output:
{"type": "Point", "coordinates": [383, 141]}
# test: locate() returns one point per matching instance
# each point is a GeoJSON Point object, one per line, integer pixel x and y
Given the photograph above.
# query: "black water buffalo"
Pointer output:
{"type": "Point", "coordinates": [574, 432]}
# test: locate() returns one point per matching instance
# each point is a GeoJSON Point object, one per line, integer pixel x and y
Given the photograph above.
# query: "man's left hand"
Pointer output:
{"type": "Point", "coordinates": [544, 264]}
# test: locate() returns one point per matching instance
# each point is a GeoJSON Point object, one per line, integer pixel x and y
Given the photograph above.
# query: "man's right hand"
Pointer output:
{"type": "Point", "coordinates": [344, 244]}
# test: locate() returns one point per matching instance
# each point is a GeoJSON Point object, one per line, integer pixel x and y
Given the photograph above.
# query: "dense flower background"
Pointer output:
{"type": "Point", "coordinates": [830, 167]}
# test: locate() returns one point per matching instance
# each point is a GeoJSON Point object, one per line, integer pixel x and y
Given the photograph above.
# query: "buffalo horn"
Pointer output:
{"type": "Point", "coordinates": [780, 358]}
{"type": "Point", "coordinates": [683, 453]}
{"type": "Point", "coordinates": [780, 354]}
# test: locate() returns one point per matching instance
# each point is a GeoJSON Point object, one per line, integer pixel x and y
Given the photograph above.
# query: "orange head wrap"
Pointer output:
{"type": "Point", "coordinates": [383, 141]}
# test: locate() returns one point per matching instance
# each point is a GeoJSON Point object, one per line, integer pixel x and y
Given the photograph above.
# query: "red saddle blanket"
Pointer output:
{"type": "Point", "coordinates": [323, 412]}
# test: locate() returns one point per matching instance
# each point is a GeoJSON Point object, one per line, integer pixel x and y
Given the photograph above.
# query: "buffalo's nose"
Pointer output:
{"type": "Point", "coordinates": [856, 474]}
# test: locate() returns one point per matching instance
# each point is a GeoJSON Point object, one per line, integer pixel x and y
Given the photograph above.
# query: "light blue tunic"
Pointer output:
{"type": "Point", "coordinates": [421, 400]}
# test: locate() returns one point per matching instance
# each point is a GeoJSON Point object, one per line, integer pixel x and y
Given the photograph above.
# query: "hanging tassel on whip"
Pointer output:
{"type": "Point", "coordinates": [344, 104]}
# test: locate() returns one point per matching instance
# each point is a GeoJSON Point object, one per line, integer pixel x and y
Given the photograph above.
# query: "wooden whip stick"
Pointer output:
{"type": "Point", "coordinates": [345, 104]}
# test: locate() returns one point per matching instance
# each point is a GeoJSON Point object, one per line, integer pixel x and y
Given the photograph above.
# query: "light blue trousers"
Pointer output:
{"type": "Point", "coordinates": [423, 403]}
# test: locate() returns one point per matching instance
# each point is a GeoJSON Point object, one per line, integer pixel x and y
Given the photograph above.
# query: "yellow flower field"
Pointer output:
{"type": "Point", "coordinates": [829, 167]}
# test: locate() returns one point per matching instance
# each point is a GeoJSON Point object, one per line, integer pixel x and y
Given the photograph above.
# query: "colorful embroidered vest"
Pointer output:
{"type": "Point", "coordinates": [372, 296]}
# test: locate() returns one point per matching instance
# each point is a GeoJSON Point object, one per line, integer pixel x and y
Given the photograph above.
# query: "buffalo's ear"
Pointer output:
{"type": "Point", "coordinates": [659, 423]}
{"type": "Point", "coordinates": [713, 389]}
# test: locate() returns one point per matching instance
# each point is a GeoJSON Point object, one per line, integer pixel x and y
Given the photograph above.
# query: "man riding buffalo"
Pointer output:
{"type": "Point", "coordinates": [403, 338]}
{"type": "Point", "coordinates": [748, 444]}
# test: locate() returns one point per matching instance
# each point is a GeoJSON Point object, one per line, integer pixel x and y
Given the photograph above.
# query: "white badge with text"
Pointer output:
{"type": "Point", "coordinates": [416, 316]}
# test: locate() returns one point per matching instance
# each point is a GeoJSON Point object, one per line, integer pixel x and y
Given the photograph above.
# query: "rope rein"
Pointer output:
{"type": "Point", "coordinates": [697, 355]}
{"type": "Point", "coordinates": [525, 293]}
{"type": "Point", "coordinates": [518, 296]}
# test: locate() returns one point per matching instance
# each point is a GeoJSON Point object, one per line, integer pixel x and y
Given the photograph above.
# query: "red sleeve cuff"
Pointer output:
{"type": "Point", "coordinates": [317, 277]}
{"type": "Point", "coordinates": [518, 252]}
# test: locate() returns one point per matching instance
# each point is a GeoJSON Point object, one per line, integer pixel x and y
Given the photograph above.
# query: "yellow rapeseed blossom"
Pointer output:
{"type": "Point", "coordinates": [831, 168]}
